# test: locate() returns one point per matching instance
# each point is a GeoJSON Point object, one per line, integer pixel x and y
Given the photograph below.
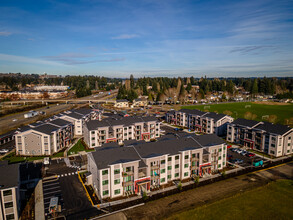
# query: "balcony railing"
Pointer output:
{"type": "Point", "coordinates": [155, 167]}
{"type": "Point", "coordinates": [194, 159]}
{"type": "Point", "coordinates": [129, 183]}
{"type": "Point", "coordinates": [127, 173]}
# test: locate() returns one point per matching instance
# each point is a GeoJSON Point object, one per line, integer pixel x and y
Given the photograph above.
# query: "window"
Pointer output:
{"type": "Point", "coordinates": [289, 138]}
{"type": "Point", "coordinates": [104, 172]}
{"type": "Point", "coordinates": [223, 163]}
{"type": "Point", "coordinates": [163, 161]}
{"type": "Point", "coordinates": [127, 179]}
{"type": "Point", "coordinates": [116, 181]}
{"type": "Point", "coordinates": [169, 167]}
{"type": "Point", "coordinates": [176, 166]}
{"type": "Point", "coordinates": [106, 192]}
{"type": "Point", "coordinates": [93, 138]}
{"type": "Point", "coordinates": [193, 155]}
{"type": "Point", "coordinates": [219, 158]}
{"type": "Point", "coordinates": [224, 147]}
{"type": "Point", "coordinates": [176, 174]}
{"type": "Point", "coordinates": [186, 165]}
{"type": "Point", "coordinates": [10, 217]}
{"type": "Point", "coordinates": [289, 144]}
{"type": "Point", "coordinates": [272, 145]}
{"type": "Point", "coordinates": [8, 205]}
{"type": "Point", "coordinates": [117, 191]}
{"type": "Point", "coordinates": [176, 157]}
{"type": "Point", "coordinates": [272, 152]}
{"type": "Point", "coordinates": [105, 182]}
{"type": "Point", "coordinates": [186, 157]}
{"type": "Point", "coordinates": [7, 192]}
{"type": "Point", "coordinates": [220, 150]}
{"type": "Point", "coordinates": [116, 171]}
{"type": "Point", "coordinates": [163, 180]}
{"type": "Point", "coordinates": [219, 165]}
{"type": "Point", "coordinates": [169, 177]}
{"type": "Point", "coordinates": [193, 163]}
{"type": "Point", "coordinates": [273, 138]}
{"type": "Point", "coordinates": [163, 170]}
{"type": "Point", "coordinates": [186, 174]}
{"type": "Point", "coordinates": [169, 158]}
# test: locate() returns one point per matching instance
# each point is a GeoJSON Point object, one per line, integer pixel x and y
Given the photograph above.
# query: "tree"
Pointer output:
{"type": "Point", "coordinates": [188, 87]}
{"type": "Point", "coordinates": [254, 89]}
{"type": "Point", "coordinates": [131, 81]}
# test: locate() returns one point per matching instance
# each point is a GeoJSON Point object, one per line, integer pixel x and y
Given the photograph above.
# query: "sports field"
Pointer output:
{"type": "Point", "coordinates": [273, 201]}
{"type": "Point", "coordinates": [275, 113]}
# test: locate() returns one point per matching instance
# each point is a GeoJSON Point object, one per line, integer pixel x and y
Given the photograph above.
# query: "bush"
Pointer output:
{"type": "Point", "coordinates": [196, 180]}
{"type": "Point", "coordinates": [145, 196]}
{"type": "Point", "coordinates": [179, 186]}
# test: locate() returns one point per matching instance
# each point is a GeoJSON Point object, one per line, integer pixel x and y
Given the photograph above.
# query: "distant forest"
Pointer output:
{"type": "Point", "coordinates": [156, 86]}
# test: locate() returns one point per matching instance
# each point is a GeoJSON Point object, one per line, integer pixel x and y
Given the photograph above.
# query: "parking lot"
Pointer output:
{"type": "Point", "coordinates": [67, 187]}
{"type": "Point", "coordinates": [171, 130]}
{"type": "Point", "coordinates": [247, 161]}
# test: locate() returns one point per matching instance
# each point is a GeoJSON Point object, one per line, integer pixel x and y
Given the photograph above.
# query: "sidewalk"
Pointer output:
{"type": "Point", "coordinates": [65, 152]}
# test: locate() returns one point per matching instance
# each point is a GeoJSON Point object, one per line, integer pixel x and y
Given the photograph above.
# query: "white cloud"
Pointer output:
{"type": "Point", "coordinates": [22, 59]}
{"type": "Point", "coordinates": [125, 36]}
{"type": "Point", "coordinates": [5, 33]}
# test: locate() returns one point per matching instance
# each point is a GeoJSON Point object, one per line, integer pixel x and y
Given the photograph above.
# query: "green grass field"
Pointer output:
{"type": "Point", "coordinates": [77, 148]}
{"type": "Point", "coordinates": [282, 114]}
{"type": "Point", "coordinates": [273, 201]}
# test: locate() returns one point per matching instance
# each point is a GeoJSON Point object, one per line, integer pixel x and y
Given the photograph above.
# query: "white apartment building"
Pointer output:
{"type": "Point", "coordinates": [44, 138]}
{"type": "Point", "coordinates": [9, 191]}
{"type": "Point", "coordinates": [121, 103]}
{"type": "Point", "coordinates": [272, 139]}
{"type": "Point", "coordinates": [133, 169]}
{"type": "Point", "coordinates": [79, 116]}
{"type": "Point", "coordinates": [109, 130]}
{"type": "Point", "coordinates": [205, 122]}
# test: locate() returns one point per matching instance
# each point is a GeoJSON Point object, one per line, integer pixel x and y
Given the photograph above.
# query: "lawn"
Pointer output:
{"type": "Point", "coordinates": [282, 114]}
{"type": "Point", "coordinates": [12, 158]}
{"type": "Point", "coordinates": [79, 146]}
{"type": "Point", "coordinates": [273, 201]}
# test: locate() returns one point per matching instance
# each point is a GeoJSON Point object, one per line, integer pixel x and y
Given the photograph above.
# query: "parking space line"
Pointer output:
{"type": "Point", "coordinates": [46, 189]}
{"type": "Point", "coordinates": [50, 184]}
{"type": "Point", "coordinates": [51, 192]}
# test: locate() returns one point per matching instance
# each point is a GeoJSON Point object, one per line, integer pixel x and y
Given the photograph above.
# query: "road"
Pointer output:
{"type": "Point", "coordinates": [14, 121]}
{"type": "Point", "coordinates": [162, 208]}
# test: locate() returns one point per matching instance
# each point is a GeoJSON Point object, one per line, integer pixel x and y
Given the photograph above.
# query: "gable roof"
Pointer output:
{"type": "Point", "coordinates": [60, 122]}
{"type": "Point", "coordinates": [245, 122]}
{"type": "Point", "coordinates": [193, 111]}
{"type": "Point", "coordinates": [74, 115]}
{"type": "Point", "coordinates": [273, 128]}
{"type": "Point", "coordinates": [46, 128]}
{"type": "Point", "coordinates": [9, 175]}
{"type": "Point", "coordinates": [83, 111]}
{"type": "Point", "coordinates": [214, 115]}
{"type": "Point", "coordinates": [105, 157]}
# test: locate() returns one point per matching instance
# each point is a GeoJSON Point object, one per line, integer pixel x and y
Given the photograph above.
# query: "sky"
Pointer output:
{"type": "Point", "coordinates": [113, 38]}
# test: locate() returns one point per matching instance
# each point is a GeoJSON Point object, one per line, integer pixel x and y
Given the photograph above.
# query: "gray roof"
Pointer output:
{"type": "Point", "coordinates": [83, 111]}
{"type": "Point", "coordinates": [46, 128]}
{"type": "Point", "coordinates": [273, 128]}
{"type": "Point", "coordinates": [74, 115]}
{"type": "Point", "coordinates": [105, 156]}
{"type": "Point", "coordinates": [166, 146]}
{"type": "Point", "coordinates": [60, 122]}
{"type": "Point", "coordinates": [126, 121]}
{"type": "Point", "coordinates": [208, 140]}
{"type": "Point", "coordinates": [245, 122]}
{"type": "Point", "coordinates": [36, 124]}
{"type": "Point", "coordinates": [9, 175]}
{"type": "Point", "coordinates": [193, 111]}
{"type": "Point", "coordinates": [214, 115]}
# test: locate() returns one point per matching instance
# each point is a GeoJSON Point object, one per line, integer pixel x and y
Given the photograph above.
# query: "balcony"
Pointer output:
{"type": "Point", "coordinates": [215, 154]}
{"type": "Point", "coordinates": [127, 173]}
{"type": "Point", "coordinates": [155, 167]}
{"type": "Point", "coordinates": [129, 183]}
{"type": "Point", "coordinates": [141, 174]}
{"type": "Point", "coordinates": [194, 159]}
{"type": "Point", "coordinates": [155, 177]}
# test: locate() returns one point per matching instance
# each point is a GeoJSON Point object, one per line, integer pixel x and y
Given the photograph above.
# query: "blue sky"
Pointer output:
{"type": "Point", "coordinates": [147, 37]}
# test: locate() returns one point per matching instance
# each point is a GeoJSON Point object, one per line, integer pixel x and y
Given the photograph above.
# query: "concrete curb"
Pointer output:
{"type": "Point", "coordinates": [39, 202]}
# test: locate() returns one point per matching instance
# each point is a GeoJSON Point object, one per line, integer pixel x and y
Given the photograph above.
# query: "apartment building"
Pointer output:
{"type": "Point", "coordinates": [117, 171]}
{"type": "Point", "coordinates": [9, 191]}
{"type": "Point", "coordinates": [272, 139]}
{"type": "Point", "coordinates": [44, 138]}
{"type": "Point", "coordinates": [121, 103]}
{"type": "Point", "coordinates": [79, 116]}
{"type": "Point", "coordinates": [118, 130]}
{"type": "Point", "coordinates": [199, 121]}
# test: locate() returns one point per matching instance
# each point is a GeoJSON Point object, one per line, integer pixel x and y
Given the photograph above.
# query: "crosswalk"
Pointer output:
{"type": "Point", "coordinates": [67, 174]}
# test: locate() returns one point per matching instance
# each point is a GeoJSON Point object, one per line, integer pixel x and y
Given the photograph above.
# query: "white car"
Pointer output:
{"type": "Point", "coordinates": [3, 151]}
{"type": "Point", "coordinates": [46, 160]}
{"type": "Point", "coordinates": [14, 119]}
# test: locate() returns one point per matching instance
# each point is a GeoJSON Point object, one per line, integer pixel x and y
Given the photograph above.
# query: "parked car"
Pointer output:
{"type": "Point", "coordinates": [250, 154]}
{"type": "Point", "coordinates": [4, 151]}
{"type": "Point", "coordinates": [238, 161]}
{"type": "Point", "coordinates": [233, 149]}
{"type": "Point", "coordinates": [178, 129]}
{"type": "Point", "coordinates": [244, 152]}
{"type": "Point", "coordinates": [229, 146]}
{"type": "Point", "coordinates": [238, 151]}
{"type": "Point", "coordinates": [14, 119]}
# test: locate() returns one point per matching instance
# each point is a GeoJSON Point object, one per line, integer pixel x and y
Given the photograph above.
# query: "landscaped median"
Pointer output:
{"type": "Point", "coordinates": [78, 147]}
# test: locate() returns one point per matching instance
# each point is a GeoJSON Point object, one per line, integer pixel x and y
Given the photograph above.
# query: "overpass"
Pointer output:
{"type": "Point", "coordinates": [66, 101]}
